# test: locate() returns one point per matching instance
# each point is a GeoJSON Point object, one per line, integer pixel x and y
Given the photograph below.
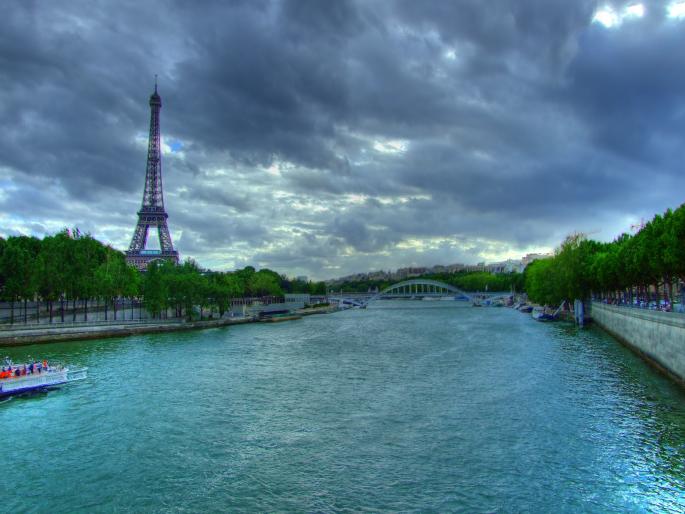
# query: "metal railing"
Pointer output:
{"type": "Point", "coordinates": [67, 313]}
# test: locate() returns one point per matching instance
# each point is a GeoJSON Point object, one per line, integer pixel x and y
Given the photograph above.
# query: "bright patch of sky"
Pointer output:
{"type": "Point", "coordinates": [171, 147]}
{"type": "Point", "coordinates": [636, 10]}
{"type": "Point", "coordinates": [390, 146]}
{"type": "Point", "coordinates": [167, 145]}
{"type": "Point", "coordinates": [141, 139]}
{"type": "Point", "coordinates": [676, 10]}
{"type": "Point", "coordinates": [152, 242]}
{"type": "Point", "coordinates": [610, 17]}
{"type": "Point", "coordinates": [355, 198]}
{"type": "Point", "coordinates": [273, 170]}
{"type": "Point", "coordinates": [278, 166]}
{"type": "Point", "coordinates": [607, 17]}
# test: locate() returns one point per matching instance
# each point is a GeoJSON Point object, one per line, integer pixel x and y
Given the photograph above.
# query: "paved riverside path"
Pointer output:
{"type": "Point", "coordinates": [27, 334]}
{"type": "Point", "coordinates": [15, 335]}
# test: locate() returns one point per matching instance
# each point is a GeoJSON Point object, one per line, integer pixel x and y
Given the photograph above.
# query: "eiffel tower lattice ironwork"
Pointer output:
{"type": "Point", "coordinates": [152, 213]}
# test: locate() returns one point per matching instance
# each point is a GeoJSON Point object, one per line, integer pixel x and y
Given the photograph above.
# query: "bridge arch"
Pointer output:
{"type": "Point", "coordinates": [419, 287]}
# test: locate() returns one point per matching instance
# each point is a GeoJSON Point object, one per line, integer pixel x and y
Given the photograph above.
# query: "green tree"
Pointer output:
{"type": "Point", "coordinates": [154, 288]}
{"type": "Point", "coordinates": [265, 283]}
{"type": "Point", "coordinates": [19, 270]}
{"type": "Point", "coordinates": [674, 245]}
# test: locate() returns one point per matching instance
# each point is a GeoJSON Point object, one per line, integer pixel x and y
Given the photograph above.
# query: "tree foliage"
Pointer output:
{"type": "Point", "coordinates": [70, 266]}
{"type": "Point", "coordinates": [651, 260]}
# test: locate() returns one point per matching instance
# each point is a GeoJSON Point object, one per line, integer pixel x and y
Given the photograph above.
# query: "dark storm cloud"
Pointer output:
{"type": "Point", "coordinates": [322, 136]}
{"type": "Point", "coordinates": [216, 196]}
{"type": "Point", "coordinates": [631, 90]}
{"type": "Point", "coordinates": [66, 104]}
{"type": "Point", "coordinates": [355, 232]}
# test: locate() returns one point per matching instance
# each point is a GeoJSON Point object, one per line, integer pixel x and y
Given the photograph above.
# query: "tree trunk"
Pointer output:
{"type": "Point", "coordinates": [12, 311]}
{"type": "Point", "coordinates": [73, 312]}
{"type": "Point", "coordinates": [61, 306]}
{"type": "Point", "coordinates": [105, 308]}
{"type": "Point", "coordinates": [26, 311]}
{"type": "Point", "coordinates": [85, 310]}
{"type": "Point", "coordinates": [50, 307]}
{"type": "Point", "coordinates": [670, 290]}
{"type": "Point", "coordinates": [114, 308]}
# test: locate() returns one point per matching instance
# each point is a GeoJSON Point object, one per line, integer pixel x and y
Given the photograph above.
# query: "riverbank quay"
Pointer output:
{"type": "Point", "coordinates": [309, 311]}
{"type": "Point", "coordinates": [27, 334]}
{"type": "Point", "coordinates": [657, 336]}
{"type": "Point", "coordinates": [84, 331]}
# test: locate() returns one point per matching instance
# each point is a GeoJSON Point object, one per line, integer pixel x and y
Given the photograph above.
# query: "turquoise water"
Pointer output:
{"type": "Point", "coordinates": [405, 406]}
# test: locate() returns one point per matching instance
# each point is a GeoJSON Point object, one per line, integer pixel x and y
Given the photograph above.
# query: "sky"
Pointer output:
{"type": "Point", "coordinates": [327, 138]}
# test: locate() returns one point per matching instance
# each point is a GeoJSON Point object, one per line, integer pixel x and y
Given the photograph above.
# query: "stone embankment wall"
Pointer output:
{"type": "Point", "coordinates": [25, 336]}
{"type": "Point", "coordinates": [658, 336]}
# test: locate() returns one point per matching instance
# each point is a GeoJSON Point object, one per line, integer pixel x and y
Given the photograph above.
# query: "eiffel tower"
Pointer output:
{"type": "Point", "coordinates": [152, 213]}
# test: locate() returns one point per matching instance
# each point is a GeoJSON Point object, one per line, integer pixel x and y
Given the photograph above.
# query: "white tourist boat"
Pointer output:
{"type": "Point", "coordinates": [35, 376]}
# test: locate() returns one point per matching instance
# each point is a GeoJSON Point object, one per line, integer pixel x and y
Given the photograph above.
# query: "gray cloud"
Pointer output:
{"type": "Point", "coordinates": [324, 138]}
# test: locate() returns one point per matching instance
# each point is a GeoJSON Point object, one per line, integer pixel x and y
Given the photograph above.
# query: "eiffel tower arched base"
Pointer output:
{"type": "Point", "coordinates": [141, 259]}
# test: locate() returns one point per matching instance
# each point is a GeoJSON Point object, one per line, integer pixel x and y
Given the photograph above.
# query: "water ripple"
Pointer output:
{"type": "Point", "coordinates": [401, 408]}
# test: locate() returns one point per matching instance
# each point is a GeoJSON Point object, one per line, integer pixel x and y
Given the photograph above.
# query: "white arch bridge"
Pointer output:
{"type": "Point", "coordinates": [420, 288]}
{"type": "Point", "coordinates": [414, 289]}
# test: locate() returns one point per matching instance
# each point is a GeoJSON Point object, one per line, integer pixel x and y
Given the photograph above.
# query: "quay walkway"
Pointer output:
{"type": "Point", "coordinates": [16, 335]}
{"type": "Point", "coordinates": [26, 335]}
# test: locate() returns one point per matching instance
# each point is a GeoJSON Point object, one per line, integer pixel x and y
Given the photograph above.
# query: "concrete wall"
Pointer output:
{"type": "Point", "coordinates": [100, 331]}
{"type": "Point", "coordinates": [659, 336]}
{"type": "Point", "coordinates": [303, 298]}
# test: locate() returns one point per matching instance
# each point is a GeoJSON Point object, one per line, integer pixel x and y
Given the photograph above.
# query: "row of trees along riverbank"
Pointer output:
{"type": "Point", "coordinates": [647, 266]}
{"type": "Point", "coordinates": [71, 267]}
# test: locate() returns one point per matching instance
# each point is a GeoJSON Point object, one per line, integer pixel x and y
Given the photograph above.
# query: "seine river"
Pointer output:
{"type": "Point", "coordinates": [405, 406]}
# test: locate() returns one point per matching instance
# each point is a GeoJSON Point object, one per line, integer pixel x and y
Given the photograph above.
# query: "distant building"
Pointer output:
{"type": "Point", "coordinates": [297, 300]}
{"type": "Point", "coordinates": [508, 266]}
{"type": "Point", "coordinates": [410, 272]}
{"type": "Point", "coordinates": [515, 265]}
{"type": "Point", "coordinates": [455, 268]}
{"type": "Point", "coordinates": [302, 278]}
{"type": "Point", "coordinates": [534, 257]}
{"type": "Point", "coordinates": [474, 267]}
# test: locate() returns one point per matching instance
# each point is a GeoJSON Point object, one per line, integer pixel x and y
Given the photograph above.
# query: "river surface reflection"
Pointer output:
{"type": "Point", "coordinates": [405, 406]}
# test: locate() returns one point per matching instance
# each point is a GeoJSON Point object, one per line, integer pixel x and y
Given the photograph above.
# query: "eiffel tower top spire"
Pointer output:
{"type": "Point", "coordinates": [153, 198]}
{"type": "Point", "coordinates": [152, 213]}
